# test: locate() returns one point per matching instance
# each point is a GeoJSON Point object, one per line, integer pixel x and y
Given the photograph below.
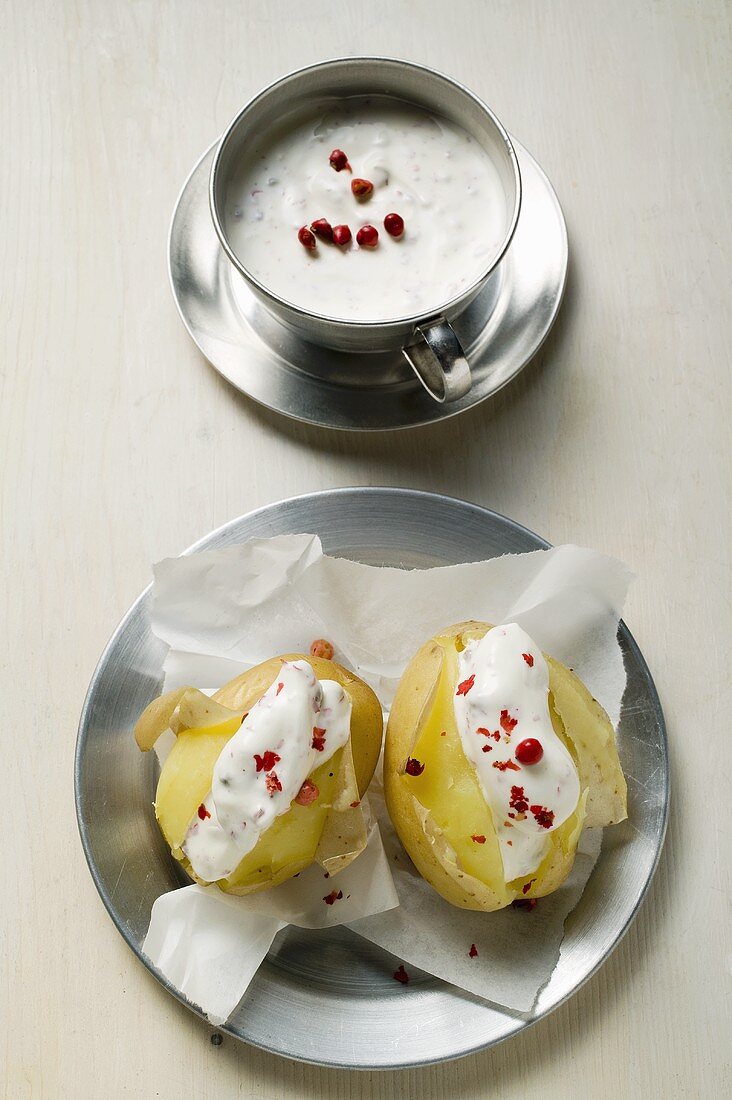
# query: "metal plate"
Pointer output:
{"type": "Point", "coordinates": [364, 1019]}
{"type": "Point", "coordinates": [501, 330]}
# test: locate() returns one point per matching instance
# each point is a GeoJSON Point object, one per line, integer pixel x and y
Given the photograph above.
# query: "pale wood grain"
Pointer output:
{"type": "Point", "coordinates": [119, 446]}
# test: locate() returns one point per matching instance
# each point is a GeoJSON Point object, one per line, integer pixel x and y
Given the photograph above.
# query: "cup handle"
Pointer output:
{"type": "Point", "coordinates": [437, 358]}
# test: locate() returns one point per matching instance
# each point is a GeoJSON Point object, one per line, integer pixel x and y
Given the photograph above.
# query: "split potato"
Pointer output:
{"type": "Point", "coordinates": [437, 812]}
{"type": "Point", "coordinates": [331, 830]}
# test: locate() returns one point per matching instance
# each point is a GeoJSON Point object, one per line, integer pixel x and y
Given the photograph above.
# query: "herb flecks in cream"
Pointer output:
{"type": "Point", "coordinates": [298, 724]}
{"type": "Point", "coordinates": [501, 701]}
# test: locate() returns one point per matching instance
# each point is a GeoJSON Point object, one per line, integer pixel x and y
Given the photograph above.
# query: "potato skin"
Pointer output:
{"type": "Point", "coordinates": [412, 706]}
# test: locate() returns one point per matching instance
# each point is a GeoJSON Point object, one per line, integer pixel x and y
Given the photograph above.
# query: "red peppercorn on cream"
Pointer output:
{"type": "Point", "coordinates": [394, 158]}
{"type": "Point", "coordinates": [526, 774]}
{"type": "Point", "coordinates": [298, 724]}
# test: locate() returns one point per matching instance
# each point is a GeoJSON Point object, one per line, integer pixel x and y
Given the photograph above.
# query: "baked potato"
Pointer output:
{"type": "Point", "coordinates": [252, 792]}
{"type": "Point", "coordinates": [453, 814]}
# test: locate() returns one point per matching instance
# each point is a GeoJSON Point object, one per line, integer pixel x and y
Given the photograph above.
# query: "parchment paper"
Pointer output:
{"type": "Point", "coordinates": [210, 945]}
{"type": "Point", "coordinates": [223, 611]}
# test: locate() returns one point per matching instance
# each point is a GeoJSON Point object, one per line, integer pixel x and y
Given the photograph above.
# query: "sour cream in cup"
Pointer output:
{"type": "Point", "coordinates": [422, 167]}
{"type": "Point", "coordinates": [433, 153]}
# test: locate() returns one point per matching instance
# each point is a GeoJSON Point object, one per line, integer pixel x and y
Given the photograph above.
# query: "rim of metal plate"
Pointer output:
{"type": "Point", "coordinates": [501, 330]}
{"type": "Point", "coordinates": [337, 973]}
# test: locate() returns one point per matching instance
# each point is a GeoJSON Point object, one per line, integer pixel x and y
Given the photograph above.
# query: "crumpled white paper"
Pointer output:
{"type": "Point", "coordinates": [222, 611]}
{"type": "Point", "coordinates": [516, 950]}
{"type": "Point", "coordinates": [210, 944]}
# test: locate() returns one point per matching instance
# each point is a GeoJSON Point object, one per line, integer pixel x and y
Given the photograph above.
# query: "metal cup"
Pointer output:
{"type": "Point", "coordinates": [427, 340]}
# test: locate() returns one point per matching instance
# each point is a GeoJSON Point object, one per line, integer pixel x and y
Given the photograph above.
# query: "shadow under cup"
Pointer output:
{"type": "Point", "coordinates": [427, 339]}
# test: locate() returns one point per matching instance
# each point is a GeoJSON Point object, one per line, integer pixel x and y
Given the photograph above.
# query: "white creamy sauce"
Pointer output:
{"type": "Point", "coordinates": [297, 725]}
{"type": "Point", "coordinates": [424, 168]}
{"type": "Point", "coordinates": [503, 699]}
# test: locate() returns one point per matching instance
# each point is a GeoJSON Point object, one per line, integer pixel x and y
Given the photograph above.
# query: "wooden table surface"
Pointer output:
{"type": "Point", "coordinates": [120, 445]}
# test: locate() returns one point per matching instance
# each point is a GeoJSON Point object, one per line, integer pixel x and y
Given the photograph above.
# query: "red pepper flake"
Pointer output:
{"type": "Point", "coordinates": [272, 784]}
{"type": "Point", "coordinates": [267, 762]}
{"type": "Point", "coordinates": [413, 766]}
{"type": "Point", "coordinates": [473, 951]}
{"type": "Point", "coordinates": [307, 793]}
{"type": "Point", "coordinates": [524, 903]}
{"type": "Point", "coordinates": [506, 766]}
{"type": "Point", "coordinates": [487, 733]}
{"type": "Point", "coordinates": [401, 975]}
{"type": "Point", "coordinates": [527, 886]}
{"type": "Point", "coordinates": [507, 722]}
{"type": "Point", "coordinates": [478, 838]}
{"type": "Point", "coordinates": [510, 843]}
{"type": "Point", "coordinates": [487, 748]}
{"type": "Point", "coordinates": [279, 688]}
{"type": "Point", "coordinates": [318, 738]}
{"type": "Point", "coordinates": [543, 817]}
{"type": "Point", "coordinates": [518, 801]}
{"type": "Point", "coordinates": [333, 897]}
{"type": "Point", "coordinates": [465, 686]}
{"type": "Point", "coordinates": [203, 812]}
{"type": "Point", "coordinates": [355, 804]}
{"type": "Point", "coordinates": [529, 659]}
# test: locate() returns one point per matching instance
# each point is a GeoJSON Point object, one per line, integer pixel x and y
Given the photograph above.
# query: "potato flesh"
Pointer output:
{"type": "Point", "coordinates": [185, 782]}
{"type": "Point", "coordinates": [448, 787]}
{"type": "Point", "coordinates": [185, 778]}
{"type": "Point", "coordinates": [291, 840]}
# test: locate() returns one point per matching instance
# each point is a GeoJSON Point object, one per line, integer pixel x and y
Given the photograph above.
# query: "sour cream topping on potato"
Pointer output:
{"type": "Point", "coordinates": [298, 724]}
{"type": "Point", "coordinates": [502, 700]}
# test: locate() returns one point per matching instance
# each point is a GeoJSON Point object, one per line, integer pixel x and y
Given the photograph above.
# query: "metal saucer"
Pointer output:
{"type": "Point", "coordinates": [363, 1018]}
{"type": "Point", "coordinates": [501, 330]}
